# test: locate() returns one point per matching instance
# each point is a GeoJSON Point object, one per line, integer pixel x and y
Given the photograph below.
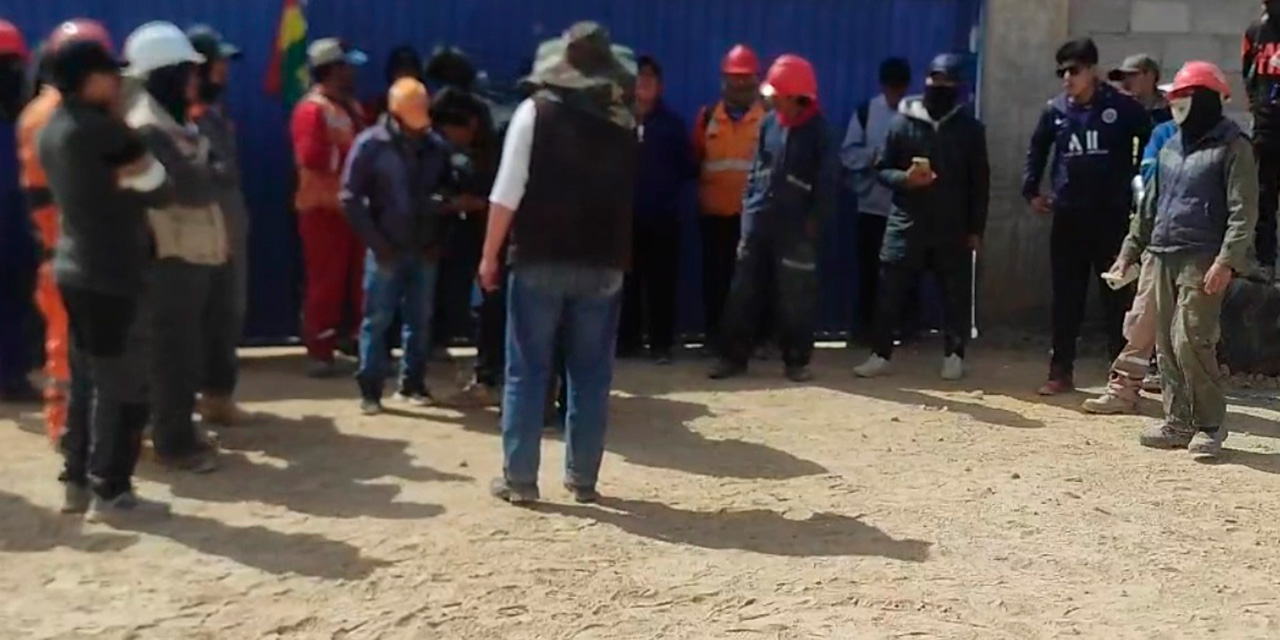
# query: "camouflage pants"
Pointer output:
{"type": "Point", "coordinates": [1187, 333]}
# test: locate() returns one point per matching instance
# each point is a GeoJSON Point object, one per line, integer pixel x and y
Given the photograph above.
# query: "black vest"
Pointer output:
{"type": "Point", "coordinates": [578, 199]}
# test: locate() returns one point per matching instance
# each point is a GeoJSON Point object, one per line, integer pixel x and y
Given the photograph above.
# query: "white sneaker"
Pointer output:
{"type": "Point", "coordinates": [874, 367]}
{"type": "Point", "coordinates": [952, 367]}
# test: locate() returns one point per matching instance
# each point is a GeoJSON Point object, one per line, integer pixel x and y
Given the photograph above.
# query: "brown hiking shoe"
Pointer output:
{"type": "Point", "coordinates": [1165, 436]}
{"type": "Point", "coordinates": [1109, 404]}
{"type": "Point", "coordinates": [1207, 444]}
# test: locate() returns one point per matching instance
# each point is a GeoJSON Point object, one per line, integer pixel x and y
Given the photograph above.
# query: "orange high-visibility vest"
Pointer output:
{"type": "Point", "coordinates": [318, 188]}
{"type": "Point", "coordinates": [33, 118]}
{"type": "Point", "coordinates": [726, 149]}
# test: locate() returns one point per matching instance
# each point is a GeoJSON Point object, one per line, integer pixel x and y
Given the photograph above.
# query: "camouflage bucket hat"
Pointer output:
{"type": "Point", "coordinates": [583, 58]}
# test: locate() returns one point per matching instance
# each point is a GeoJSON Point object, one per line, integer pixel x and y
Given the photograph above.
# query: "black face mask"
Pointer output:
{"type": "Point", "coordinates": [210, 91]}
{"type": "Point", "coordinates": [939, 100]}
{"type": "Point", "coordinates": [1205, 114]}
{"type": "Point", "coordinates": [13, 87]}
{"type": "Point", "coordinates": [168, 85]}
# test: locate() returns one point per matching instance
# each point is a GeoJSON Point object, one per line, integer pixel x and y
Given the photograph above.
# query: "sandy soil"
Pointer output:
{"type": "Point", "coordinates": [902, 507]}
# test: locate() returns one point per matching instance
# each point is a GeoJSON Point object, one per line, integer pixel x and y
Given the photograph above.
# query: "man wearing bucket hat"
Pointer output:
{"type": "Point", "coordinates": [190, 237]}
{"type": "Point", "coordinates": [564, 193]}
{"type": "Point", "coordinates": [1197, 221]}
{"type": "Point", "coordinates": [790, 193]}
{"type": "Point", "coordinates": [228, 288]}
{"type": "Point", "coordinates": [323, 127]}
{"type": "Point", "coordinates": [103, 180]}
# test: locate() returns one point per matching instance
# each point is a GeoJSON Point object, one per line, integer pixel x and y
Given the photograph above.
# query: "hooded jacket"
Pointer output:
{"type": "Point", "coordinates": [1203, 199]}
{"type": "Point", "coordinates": [944, 214]}
{"type": "Point", "coordinates": [1094, 152]}
{"type": "Point", "coordinates": [192, 228]}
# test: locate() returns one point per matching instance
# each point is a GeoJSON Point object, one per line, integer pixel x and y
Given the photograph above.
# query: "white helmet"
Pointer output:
{"type": "Point", "coordinates": [155, 45]}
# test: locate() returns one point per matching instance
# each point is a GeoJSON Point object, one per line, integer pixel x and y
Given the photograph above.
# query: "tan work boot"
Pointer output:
{"type": "Point", "coordinates": [1109, 404]}
{"type": "Point", "coordinates": [223, 411]}
{"type": "Point", "coordinates": [1165, 436]}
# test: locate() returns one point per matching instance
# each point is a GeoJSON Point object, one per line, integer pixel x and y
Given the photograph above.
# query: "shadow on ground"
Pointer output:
{"type": "Point", "coordinates": [320, 471]}
{"type": "Point", "coordinates": [29, 528]}
{"type": "Point", "coordinates": [757, 530]}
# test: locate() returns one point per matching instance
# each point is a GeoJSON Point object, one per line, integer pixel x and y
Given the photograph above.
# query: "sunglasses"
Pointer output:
{"type": "Point", "coordinates": [1069, 70]}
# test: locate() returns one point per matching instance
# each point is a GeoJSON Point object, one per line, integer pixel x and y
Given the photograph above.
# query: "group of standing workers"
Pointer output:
{"type": "Point", "coordinates": [130, 169]}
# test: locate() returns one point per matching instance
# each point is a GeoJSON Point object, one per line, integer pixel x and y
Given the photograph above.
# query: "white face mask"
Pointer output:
{"type": "Point", "coordinates": [1181, 107]}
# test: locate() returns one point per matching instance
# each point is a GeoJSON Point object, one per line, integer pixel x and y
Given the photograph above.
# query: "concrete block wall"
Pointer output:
{"type": "Point", "coordinates": [1019, 43]}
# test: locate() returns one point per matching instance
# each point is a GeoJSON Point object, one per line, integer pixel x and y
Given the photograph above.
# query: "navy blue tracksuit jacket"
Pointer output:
{"type": "Point", "coordinates": [1096, 149]}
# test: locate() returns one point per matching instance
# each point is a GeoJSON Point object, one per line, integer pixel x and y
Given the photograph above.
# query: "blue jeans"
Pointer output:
{"type": "Point", "coordinates": [408, 285]}
{"type": "Point", "coordinates": [539, 299]}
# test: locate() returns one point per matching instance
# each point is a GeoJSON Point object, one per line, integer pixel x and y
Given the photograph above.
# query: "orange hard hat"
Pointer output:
{"type": "Point", "coordinates": [410, 103]}
{"type": "Point", "coordinates": [791, 75]}
{"type": "Point", "coordinates": [78, 29]}
{"type": "Point", "coordinates": [740, 60]}
{"type": "Point", "coordinates": [1198, 73]}
{"type": "Point", "coordinates": [11, 42]}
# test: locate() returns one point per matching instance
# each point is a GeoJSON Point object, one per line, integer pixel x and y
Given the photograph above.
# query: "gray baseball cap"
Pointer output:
{"type": "Point", "coordinates": [330, 50]}
{"type": "Point", "coordinates": [1136, 63]}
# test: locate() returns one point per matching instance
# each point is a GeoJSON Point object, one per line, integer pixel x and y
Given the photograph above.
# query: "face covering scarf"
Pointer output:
{"type": "Point", "coordinates": [939, 100]}
{"type": "Point", "coordinates": [168, 86]}
{"type": "Point", "coordinates": [1197, 113]}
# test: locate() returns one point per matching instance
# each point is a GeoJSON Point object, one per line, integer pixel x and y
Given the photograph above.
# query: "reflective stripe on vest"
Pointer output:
{"type": "Point", "coordinates": [712, 166]}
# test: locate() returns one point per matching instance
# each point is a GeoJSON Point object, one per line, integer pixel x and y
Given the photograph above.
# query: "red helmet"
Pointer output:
{"type": "Point", "coordinates": [740, 60]}
{"type": "Point", "coordinates": [791, 75]}
{"type": "Point", "coordinates": [11, 42]}
{"type": "Point", "coordinates": [78, 29]}
{"type": "Point", "coordinates": [1198, 73]}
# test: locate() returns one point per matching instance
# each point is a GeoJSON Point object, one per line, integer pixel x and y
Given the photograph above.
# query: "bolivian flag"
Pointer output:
{"type": "Point", "coordinates": [287, 76]}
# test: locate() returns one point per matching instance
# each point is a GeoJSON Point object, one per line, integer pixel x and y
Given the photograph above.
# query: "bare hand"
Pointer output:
{"type": "Point", "coordinates": [1217, 279]}
{"type": "Point", "coordinates": [919, 177]}
{"type": "Point", "coordinates": [488, 274]}
{"type": "Point", "coordinates": [1119, 266]}
{"type": "Point", "coordinates": [1041, 205]}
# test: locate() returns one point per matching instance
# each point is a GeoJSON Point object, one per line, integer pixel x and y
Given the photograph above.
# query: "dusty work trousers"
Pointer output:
{"type": "Point", "coordinates": [224, 320]}
{"type": "Point", "coordinates": [953, 268]}
{"type": "Point", "coordinates": [334, 259]}
{"type": "Point", "coordinates": [186, 315]}
{"type": "Point", "coordinates": [787, 269]}
{"type": "Point", "coordinates": [107, 406]}
{"type": "Point", "coordinates": [1187, 333]}
{"type": "Point", "coordinates": [1134, 361]}
{"type": "Point", "coordinates": [1082, 246]}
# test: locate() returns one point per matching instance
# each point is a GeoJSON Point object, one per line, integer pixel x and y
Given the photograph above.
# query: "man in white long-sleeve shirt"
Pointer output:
{"type": "Point", "coordinates": [863, 144]}
{"type": "Point", "coordinates": [564, 193]}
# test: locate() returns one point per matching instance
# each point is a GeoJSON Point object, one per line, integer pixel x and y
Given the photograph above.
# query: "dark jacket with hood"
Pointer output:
{"type": "Point", "coordinates": [1202, 200]}
{"type": "Point", "coordinates": [666, 164]}
{"type": "Point", "coordinates": [942, 215]}
{"type": "Point", "coordinates": [390, 189]}
{"type": "Point", "coordinates": [792, 186]}
{"type": "Point", "coordinates": [1095, 155]}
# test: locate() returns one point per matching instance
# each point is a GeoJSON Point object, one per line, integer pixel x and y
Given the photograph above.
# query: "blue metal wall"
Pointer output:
{"type": "Point", "coordinates": [845, 39]}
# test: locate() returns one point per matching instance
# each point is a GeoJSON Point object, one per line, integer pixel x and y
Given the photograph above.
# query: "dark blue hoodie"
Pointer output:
{"type": "Point", "coordinates": [666, 164]}
{"type": "Point", "coordinates": [1096, 149]}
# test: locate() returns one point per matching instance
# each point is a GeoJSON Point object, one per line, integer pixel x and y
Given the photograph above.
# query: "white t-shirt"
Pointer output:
{"type": "Point", "coordinates": [513, 170]}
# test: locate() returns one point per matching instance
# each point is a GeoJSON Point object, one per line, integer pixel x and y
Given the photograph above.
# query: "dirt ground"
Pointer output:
{"type": "Point", "coordinates": [897, 508]}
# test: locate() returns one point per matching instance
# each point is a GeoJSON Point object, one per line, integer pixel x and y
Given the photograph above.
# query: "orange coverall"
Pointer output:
{"type": "Point", "coordinates": [45, 214]}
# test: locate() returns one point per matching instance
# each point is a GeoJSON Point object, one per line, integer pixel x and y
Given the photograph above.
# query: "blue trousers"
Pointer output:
{"type": "Point", "coordinates": [406, 285]}
{"type": "Point", "coordinates": [587, 302]}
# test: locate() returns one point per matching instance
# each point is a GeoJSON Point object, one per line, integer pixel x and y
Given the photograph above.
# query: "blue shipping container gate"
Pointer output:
{"type": "Point", "coordinates": [845, 39]}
